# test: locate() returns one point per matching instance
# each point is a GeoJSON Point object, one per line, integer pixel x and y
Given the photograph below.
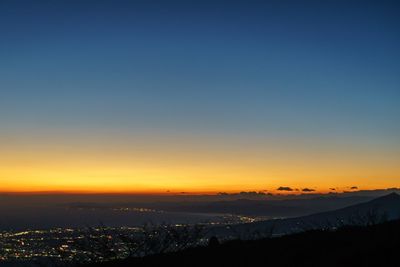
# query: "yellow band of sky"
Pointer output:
{"type": "Point", "coordinates": [144, 164]}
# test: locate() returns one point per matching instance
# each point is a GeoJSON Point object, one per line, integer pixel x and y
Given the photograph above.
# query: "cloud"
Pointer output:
{"type": "Point", "coordinates": [354, 188]}
{"type": "Point", "coordinates": [308, 190]}
{"type": "Point", "coordinates": [333, 189]}
{"type": "Point", "coordinates": [284, 188]}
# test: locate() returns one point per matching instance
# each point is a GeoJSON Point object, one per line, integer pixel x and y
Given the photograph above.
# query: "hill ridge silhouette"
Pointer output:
{"type": "Point", "coordinates": [374, 245]}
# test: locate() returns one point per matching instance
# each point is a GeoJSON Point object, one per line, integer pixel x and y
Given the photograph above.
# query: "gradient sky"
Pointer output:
{"type": "Point", "coordinates": [199, 96]}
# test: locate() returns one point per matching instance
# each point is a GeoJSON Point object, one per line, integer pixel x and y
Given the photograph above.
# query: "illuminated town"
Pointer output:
{"type": "Point", "coordinates": [59, 243]}
{"type": "Point", "coordinates": [93, 243]}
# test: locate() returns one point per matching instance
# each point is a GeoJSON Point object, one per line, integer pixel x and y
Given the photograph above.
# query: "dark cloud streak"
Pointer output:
{"type": "Point", "coordinates": [284, 188]}
{"type": "Point", "coordinates": [308, 190]}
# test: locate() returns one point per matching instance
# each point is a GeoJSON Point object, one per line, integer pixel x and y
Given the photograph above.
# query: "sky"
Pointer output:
{"type": "Point", "coordinates": [199, 96]}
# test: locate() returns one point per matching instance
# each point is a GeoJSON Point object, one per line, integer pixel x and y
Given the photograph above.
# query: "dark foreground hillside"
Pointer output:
{"type": "Point", "coordinates": [377, 245]}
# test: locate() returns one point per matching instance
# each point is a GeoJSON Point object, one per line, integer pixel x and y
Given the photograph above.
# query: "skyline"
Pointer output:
{"type": "Point", "coordinates": [206, 96]}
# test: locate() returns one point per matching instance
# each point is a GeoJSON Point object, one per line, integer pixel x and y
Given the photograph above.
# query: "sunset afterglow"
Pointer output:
{"type": "Point", "coordinates": [199, 133]}
{"type": "Point", "coordinates": [207, 99]}
{"type": "Point", "coordinates": [178, 164]}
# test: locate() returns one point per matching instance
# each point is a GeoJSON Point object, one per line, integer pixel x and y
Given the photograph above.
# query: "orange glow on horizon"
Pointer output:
{"type": "Point", "coordinates": [90, 165]}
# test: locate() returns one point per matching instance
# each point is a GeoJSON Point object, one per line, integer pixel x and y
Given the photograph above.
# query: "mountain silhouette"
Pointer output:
{"type": "Point", "coordinates": [355, 246]}
{"type": "Point", "coordinates": [367, 242]}
{"type": "Point", "coordinates": [390, 198]}
{"type": "Point", "coordinates": [388, 206]}
{"type": "Point", "coordinates": [375, 211]}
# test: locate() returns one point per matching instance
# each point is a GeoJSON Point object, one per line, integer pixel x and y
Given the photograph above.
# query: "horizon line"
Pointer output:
{"type": "Point", "coordinates": [203, 193]}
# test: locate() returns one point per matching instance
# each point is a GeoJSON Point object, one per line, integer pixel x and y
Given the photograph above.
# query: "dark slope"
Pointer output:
{"type": "Point", "coordinates": [376, 245]}
{"type": "Point", "coordinates": [371, 212]}
{"type": "Point", "coordinates": [388, 205]}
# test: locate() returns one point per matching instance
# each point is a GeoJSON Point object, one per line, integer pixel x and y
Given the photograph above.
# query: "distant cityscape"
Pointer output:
{"type": "Point", "coordinates": [59, 243]}
{"type": "Point", "coordinates": [81, 244]}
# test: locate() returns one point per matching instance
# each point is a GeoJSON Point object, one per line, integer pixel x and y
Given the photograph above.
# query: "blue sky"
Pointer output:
{"type": "Point", "coordinates": [316, 69]}
{"type": "Point", "coordinates": [199, 96]}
